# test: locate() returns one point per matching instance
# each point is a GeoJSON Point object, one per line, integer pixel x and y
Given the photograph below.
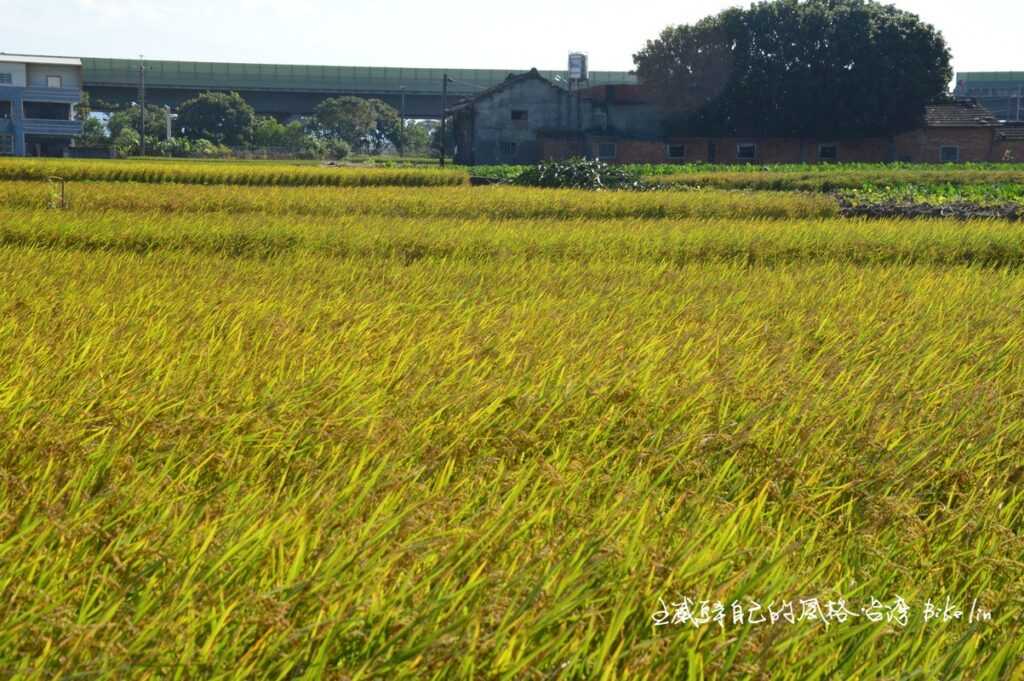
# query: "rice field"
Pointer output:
{"type": "Point", "coordinates": [225, 173]}
{"type": "Point", "coordinates": [498, 433]}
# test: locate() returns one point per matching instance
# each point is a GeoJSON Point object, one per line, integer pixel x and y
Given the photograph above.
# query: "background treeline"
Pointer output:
{"type": "Point", "coordinates": [219, 124]}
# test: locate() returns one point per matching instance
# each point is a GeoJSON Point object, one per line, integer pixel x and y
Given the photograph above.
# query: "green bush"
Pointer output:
{"type": "Point", "coordinates": [578, 173]}
{"type": "Point", "coordinates": [337, 149]}
{"type": "Point", "coordinates": [126, 143]}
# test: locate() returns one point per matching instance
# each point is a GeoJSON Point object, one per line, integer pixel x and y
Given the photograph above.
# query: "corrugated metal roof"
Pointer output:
{"type": "Point", "coordinates": [38, 59]}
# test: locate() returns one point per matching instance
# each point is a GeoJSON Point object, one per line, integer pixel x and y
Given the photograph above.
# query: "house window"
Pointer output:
{"type": "Point", "coordinates": [54, 82]}
{"type": "Point", "coordinates": [828, 152]}
{"type": "Point", "coordinates": [6, 78]}
{"type": "Point", "coordinates": [606, 151]}
{"type": "Point", "coordinates": [6, 145]}
{"type": "Point", "coordinates": [520, 115]}
{"type": "Point", "coordinates": [508, 148]}
{"type": "Point", "coordinates": [5, 110]}
{"type": "Point", "coordinates": [676, 151]}
{"type": "Point", "coordinates": [950, 154]}
{"type": "Point", "coordinates": [746, 152]}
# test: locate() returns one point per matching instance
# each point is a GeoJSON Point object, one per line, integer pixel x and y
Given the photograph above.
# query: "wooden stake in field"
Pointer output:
{"type": "Point", "coordinates": [57, 200]}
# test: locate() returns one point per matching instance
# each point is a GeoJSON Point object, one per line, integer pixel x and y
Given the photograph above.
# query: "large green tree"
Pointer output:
{"type": "Point", "coordinates": [416, 138]}
{"type": "Point", "coordinates": [131, 119]}
{"type": "Point", "coordinates": [223, 118]}
{"type": "Point", "coordinates": [823, 68]}
{"type": "Point", "coordinates": [351, 119]}
{"type": "Point", "coordinates": [387, 128]}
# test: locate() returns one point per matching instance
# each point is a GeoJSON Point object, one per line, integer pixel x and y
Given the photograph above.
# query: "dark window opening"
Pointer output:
{"type": "Point", "coordinates": [6, 78]}
{"type": "Point", "coordinates": [950, 154]}
{"type": "Point", "coordinates": [676, 151]}
{"type": "Point", "coordinates": [606, 150]}
{"type": "Point", "coordinates": [5, 109]}
{"type": "Point", "coordinates": [828, 152]}
{"type": "Point", "coordinates": [6, 145]}
{"type": "Point", "coordinates": [48, 111]}
{"type": "Point", "coordinates": [746, 152]}
{"type": "Point", "coordinates": [508, 148]}
{"type": "Point", "coordinates": [520, 115]}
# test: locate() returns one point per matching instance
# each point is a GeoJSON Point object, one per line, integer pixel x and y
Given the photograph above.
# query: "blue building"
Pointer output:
{"type": "Point", "coordinates": [38, 96]}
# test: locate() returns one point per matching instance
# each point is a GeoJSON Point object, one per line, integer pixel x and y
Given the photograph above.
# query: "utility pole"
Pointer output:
{"type": "Point", "coordinates": [444, 116]}
{"type": "Point", "coordinates": [401, 149]}
{"type": "Point", "coordinates": [142, 105]}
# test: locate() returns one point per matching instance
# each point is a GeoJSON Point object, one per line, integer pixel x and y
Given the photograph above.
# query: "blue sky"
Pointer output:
{"type": "Point", "coordinates": [984, 34]}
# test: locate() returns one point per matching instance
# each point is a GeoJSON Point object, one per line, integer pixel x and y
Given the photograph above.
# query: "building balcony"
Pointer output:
{"type": "Point", "coordinates": [39, 126]}
{"type": "Point", "coordinates": [51, 94]}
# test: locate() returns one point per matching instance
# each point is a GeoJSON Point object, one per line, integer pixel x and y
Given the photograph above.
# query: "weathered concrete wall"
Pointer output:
{"type": "Point", "coordinates": [494, 130]}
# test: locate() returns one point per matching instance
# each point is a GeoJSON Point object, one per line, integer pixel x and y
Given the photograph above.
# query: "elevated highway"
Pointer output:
{"type": "Point", "coordinates": [291, 90]}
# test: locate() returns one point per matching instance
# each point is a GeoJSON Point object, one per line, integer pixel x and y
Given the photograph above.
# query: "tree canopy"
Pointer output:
{"type": "Point", "coordinates": [823, 68]}
{"type": "Point", "coordinates": [222, 118]}
{"type": "Point", "coordinates": [131, 119]}
{"type": "Point", "coordinates": [351, 119]}
{"type": "Point", "coordinates": [387, 126]}
{"type": "Point", "coordinates": [364, 124]}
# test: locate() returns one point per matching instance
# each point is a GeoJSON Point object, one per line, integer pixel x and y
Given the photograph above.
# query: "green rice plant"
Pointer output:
{"type": "Point", "coordinates": [826, 180]}
{"type": "Point", "coordinates": [993, 194]}
{"type": "Point", "coordinates": [765, 175]}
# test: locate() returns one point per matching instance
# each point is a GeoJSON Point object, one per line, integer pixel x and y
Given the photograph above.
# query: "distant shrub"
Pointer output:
{"type": "Point", "coordinates": [579, 173]}
{"type": "Point", "coordinates": [126, 143]}
{"type": "Point", "coordinates": [337, 149]}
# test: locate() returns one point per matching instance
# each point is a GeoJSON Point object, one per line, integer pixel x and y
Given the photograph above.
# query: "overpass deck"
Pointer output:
{"type": "Point", "coordinates": [370, 80]}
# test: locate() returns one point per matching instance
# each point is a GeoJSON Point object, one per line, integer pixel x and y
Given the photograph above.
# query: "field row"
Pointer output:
{"type": "Point", "coordinates": [675, 242]}
{"type": "Point", "coordinates": [443, 469]}
{"type": "Point", "coordinates": [226, 173]}
{"type": "Point", "coordinates": [496, 202]}
{"type": "Point", "coordinates": [817, 178]}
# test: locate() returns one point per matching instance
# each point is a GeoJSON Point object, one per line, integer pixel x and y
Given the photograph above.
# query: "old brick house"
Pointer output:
{"type": "Point", "coordinates": [528, 118]}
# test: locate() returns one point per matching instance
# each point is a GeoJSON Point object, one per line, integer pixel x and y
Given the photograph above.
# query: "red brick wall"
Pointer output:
{"type": "Point", "coordinates": [919, 146]}
{"type": "Point", "coordinates": [1008, 151]}
{"type": "Point", "coordinates": [769, 151]}
{"type": "Point", "coordinates": [924, 146]}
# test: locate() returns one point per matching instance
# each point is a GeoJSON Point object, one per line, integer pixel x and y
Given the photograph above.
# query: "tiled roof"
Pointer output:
{"type": "Point", "coordinates": [512, 79]}
{"type": "Point", "coordinates": [1012, 133]}
{"type": "Point", "coordinates": [961, 114]}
